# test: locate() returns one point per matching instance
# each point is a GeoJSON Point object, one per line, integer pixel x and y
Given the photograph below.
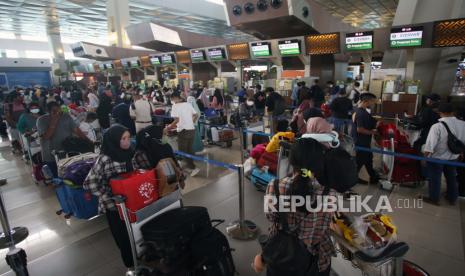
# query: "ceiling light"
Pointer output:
{"type": "Point", "coordinates": [249, 8]}
{"type": "Point", "coordinates": [237, 10]}
{"type": "Point", "coordinates": [276, 3]}
{"type": "Point", "coordinates": [262, 5]}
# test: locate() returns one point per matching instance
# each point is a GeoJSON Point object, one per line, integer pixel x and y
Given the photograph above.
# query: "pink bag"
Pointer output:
{"type": "Point", "coordinates": [257, 151]}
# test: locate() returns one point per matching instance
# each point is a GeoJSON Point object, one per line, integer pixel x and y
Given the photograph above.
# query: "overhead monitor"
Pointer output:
{"type": "Point", "coordinates": [289, 47]}
{"type": "Point", "coordinates": [198, 55]}
{"type": "Point", "coordinates": [109, 66]}
{"type": "Point", "coordinates": [134, 63]}
{"type": "Point", "coordinates": [261, 49]}
{"type": "Point", "coordinates": [406, 37]}
{"type": "Point", "coordinates": [216, 54]}
{"type": "Point", "coordinates": [359, 41]}
{"type": "Point", "coordinates": [101, 66]}
{"type": "Point", "coordinates": [155, 60]}
{"type": "Point", "coordinates": [167, 59]}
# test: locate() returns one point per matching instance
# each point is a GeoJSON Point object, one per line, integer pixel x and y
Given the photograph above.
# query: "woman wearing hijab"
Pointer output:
{"type": "Point", "coordinates": [198, 144]}
{"type": "Point", "coordinates": [116, 157]}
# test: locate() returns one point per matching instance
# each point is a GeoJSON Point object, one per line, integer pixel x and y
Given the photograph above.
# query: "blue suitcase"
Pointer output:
{"type": "Point", "coordinates": [83, 204]}
{"type": "Point", "coordinates": [260, 179]}
{"type": "Point", "coordinates": [62, 196]}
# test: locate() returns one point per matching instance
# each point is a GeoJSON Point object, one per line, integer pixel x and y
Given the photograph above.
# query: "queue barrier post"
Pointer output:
{"type": "Point", "coordinates": [242, 229]}
{"type": "Point", "coordinates": [16, 257]}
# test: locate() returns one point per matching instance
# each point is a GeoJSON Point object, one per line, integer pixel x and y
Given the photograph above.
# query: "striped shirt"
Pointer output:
{"type": "Point", "coordinates": [312, 228]}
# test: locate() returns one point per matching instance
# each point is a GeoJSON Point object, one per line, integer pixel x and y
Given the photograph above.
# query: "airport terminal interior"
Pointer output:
{"type": "Point", "coordinates": [232, 137]}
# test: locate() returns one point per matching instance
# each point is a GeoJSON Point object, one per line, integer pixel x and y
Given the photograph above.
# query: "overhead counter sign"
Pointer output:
{"type": "Point", "coordinates": [406, 37]}
{"type": "Point", "coordinates": [216, 54]}
{"type": "Point", "coordinates": [359, 41]}
{"type": "Point", "coordinates": [261, 49]}
{"type": "Point", "coordinates": [289, 47]}
{"type": "Point", "coordinates": [167, 59]}
{"type": "Point", "coordinates": [198, 55]}
{"type": "Point", "coordinates": [155, 60]}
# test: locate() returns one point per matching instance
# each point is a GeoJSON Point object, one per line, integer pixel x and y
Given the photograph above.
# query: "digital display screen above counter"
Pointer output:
{"type": "Point", "coordinates": [155, 60]}
{"type": "Point", "coordinates": [109, 66]}
{"type": "Point", "coordinates": [406, 37]}
{"type": "Point", "coordinates": [359, 41]}
{"type": "Point", "coordinates": [261, 49]}
{"type": "Point", "coordinates": [101, 66]}
{"type": "Point", "coordinates": [216, 54]}
{"type": "Point", "coordinates": [134, 63]}
{"type": "Point", "coordinates": [289, 47]}
{"type": "Point", "coordinates": [167, 59]}
{"type": "Point", "coordinates": [198, 55]}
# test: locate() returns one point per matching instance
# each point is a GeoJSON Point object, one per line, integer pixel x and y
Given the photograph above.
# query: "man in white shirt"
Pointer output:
{"type": "Point", "coordinates": [184, 117]}
{"type": "Point", "coordinates": [436, 147]}
{"type": "Point", "coordinates": [141, 111]}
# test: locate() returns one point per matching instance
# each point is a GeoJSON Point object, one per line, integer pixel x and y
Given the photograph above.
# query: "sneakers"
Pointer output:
{"type": "Point", "coordinates": [195, 172]}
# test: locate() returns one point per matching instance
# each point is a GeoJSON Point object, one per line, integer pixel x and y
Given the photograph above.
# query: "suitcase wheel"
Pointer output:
{"type": "Point", "coordinates": [67, 216]}
{"type": "Point", "coordinates": [59, 212]}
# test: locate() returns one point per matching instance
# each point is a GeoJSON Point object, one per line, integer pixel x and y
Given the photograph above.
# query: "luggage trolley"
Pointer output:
{"type": "Point", "coordinates": [144, 215]}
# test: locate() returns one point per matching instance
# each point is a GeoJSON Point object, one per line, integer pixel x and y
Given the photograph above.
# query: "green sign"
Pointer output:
{"type": "Point", "coordinates": [289, 47]}
{"type": "Point", "coordinates": [197, 55]}
{"type": "Point", "coordinates": [261, 49]}
{"type": "Point", "coordinates": [406, 37]}
{"type": "Point", "coordinates": [155, 60]}
{"type": "Point", "coordinates": [359, 41]}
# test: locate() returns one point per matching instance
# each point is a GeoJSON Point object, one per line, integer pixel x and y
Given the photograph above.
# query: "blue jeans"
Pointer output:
{"type": "Point", "coordinates": [435, 171]}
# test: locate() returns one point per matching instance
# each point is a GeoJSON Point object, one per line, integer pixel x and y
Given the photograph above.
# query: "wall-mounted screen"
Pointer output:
{"type": "Point", "coordinates": [198, 55]}
{"type": "Point", "coordinates": [261, 49]}
{"type": "Point", "coordinates": [101, 66]}
{"type": "Point", "coordinates": [406, 37]}
{"type": "Point", "coordinates": [359, 41]}
{"type": "Point", "coordinates": [216, 54]}
{"type": "Point", "coordinates": [134, 63]}
{"type": "Point", "coordinates": [167, 59]}
{"type": "Point", "coordinates": [156, 60]}
{"type": "Point", "coordinates": [109, 66]}
{"type": "Point", "coordinates": [289, 47]}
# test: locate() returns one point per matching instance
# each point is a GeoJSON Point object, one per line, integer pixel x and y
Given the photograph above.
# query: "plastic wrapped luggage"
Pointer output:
{"type": "Point", "coordinates": [257, 151]}
{"type": "Point", "coordinates": [260, 178]}
{"type": "Point", "coordinates": [62, 196]}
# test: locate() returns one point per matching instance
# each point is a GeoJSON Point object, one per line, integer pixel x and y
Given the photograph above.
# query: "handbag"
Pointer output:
{"type": "Point", "coordinates": [453, 143]}
{"type": "Point", "coordinates": [285, 251]}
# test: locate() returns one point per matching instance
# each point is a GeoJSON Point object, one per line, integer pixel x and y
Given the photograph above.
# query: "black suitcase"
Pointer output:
{"type": "Point", "coordinates": [212, 254]}
{"type": "Point", "coordinates": [168, 236]}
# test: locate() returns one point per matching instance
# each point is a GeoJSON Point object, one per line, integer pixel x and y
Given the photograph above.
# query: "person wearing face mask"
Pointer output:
{"type": "Point", "coordinates": [27, 121]}
{"type": "Point", "coordinates": [116, 157]}
{"type": "Point", "coordinates": [364, 129]}
{"type": "Point", "coordinates": [13, 109]}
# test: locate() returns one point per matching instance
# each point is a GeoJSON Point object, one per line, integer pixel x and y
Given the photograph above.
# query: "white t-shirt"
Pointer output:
{"type": "Point", "coordinates": [184, 112]}
{"type": "Point", "coordinates": [142, 112]}
{"type": "Point", "coordinates": [436, 143]}
{"type": "Point", "coordinates": [93, 100]}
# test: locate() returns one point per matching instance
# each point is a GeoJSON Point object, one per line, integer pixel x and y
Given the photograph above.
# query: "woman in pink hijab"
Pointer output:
{"type": "Point", "coordinates": [318, 125]}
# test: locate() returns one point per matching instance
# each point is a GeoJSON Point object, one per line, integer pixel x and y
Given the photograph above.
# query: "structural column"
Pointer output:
{"type": "Point", "coordinates": [118, 20]}
{"type": "Point", "coordinates": [54, 39]}
{"type": "Point", "coordinates": [410, 64]}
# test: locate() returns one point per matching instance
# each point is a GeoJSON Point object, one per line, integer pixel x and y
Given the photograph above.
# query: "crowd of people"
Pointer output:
{"type": "Point", "coordinates": [118, 113]}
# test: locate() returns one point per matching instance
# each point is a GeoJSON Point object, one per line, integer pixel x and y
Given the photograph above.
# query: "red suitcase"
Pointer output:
{"type": "Point", "coordinates": [270, 160]}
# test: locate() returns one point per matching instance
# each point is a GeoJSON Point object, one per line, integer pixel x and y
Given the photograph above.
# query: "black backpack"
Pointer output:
{"type": "Point", "coordinates": [340, 170]}
{"type": "Point", "coordinates": [453, 143]}
{"type": "Point", "coordinates": [279, 106]}
{"type": "Point", "coordinates": [356, 96]}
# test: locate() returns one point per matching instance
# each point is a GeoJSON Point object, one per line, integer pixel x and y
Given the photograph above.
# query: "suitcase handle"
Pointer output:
{"type": "Point", "coordinates": [216, 222]}
{"type": "Point", "coordinates": [119, 198]}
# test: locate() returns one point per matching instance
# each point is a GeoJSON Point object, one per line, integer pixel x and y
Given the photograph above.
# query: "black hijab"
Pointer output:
{"type": "Point", "coordinates": [111, 144]}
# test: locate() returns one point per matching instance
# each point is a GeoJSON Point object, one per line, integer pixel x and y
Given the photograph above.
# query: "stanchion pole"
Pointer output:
{"type": "Point", "coordinates": [242, 229]}
{"type": "Point", "coordinates": [241, 139]}
{"type": "Point", "coordinates": [16, 257]}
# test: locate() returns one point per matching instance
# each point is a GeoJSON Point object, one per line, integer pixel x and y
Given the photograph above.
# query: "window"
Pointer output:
{"type": "Point", "coordinates": [7, 35]}
{"type": "Point", "coordinates": [34, 37]}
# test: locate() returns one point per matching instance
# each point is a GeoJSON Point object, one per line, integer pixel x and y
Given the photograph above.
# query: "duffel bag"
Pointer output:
{"type": "Point", "coordinates": [270, 160]}
{"type": "Point", "coordinates": [76, 173]}
{"type": "Point", "coordinates": [168, 236]}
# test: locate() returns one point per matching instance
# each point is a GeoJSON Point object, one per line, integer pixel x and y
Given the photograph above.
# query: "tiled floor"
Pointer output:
{"type": "Point", "coordinates": [75, 247]}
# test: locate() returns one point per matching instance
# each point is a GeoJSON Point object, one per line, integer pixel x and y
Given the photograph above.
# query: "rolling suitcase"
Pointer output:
{"type": "Point", "coordinates": [259, 139]}
{"type": "Point", "coordinates": [260, 179]}
{"type": "Point", "coordinates": [62, 196]}
{"type": "Point", "coordinates": [83, 204]}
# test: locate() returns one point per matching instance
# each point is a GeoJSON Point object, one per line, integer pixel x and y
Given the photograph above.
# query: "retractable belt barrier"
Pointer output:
{"type": "Point", "coordinates": [411, 156]}
{"type": "Point", "coordinates": [206, 160]}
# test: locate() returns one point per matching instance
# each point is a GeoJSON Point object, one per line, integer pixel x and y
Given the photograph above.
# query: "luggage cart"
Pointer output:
{"type": "Point", "coordinates": [144, 215]}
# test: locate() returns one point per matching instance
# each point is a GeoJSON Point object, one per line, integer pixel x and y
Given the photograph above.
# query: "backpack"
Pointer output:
{"type": "Point", "coordinates": [340, 161]}
{"type": "Point", "coordinates": [279, 106]}
{"type": "Point", "coordinates": [356, 96]}
{"type": "Point", "coordinates": [169, 176]}
{"type": "Point", "coordinates": [453, 143]}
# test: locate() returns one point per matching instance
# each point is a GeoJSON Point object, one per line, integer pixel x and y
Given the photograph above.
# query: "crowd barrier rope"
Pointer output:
{"type": "Point", "coordinates": [206, 160]}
